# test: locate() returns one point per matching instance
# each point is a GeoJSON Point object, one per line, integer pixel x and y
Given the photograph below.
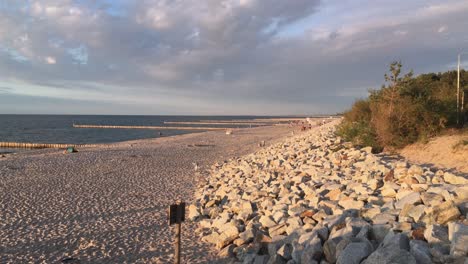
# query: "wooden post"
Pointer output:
{"type": "Point", "coordinates": [177, 243]}
{"type": "Point", "coordinates": [177, 216]}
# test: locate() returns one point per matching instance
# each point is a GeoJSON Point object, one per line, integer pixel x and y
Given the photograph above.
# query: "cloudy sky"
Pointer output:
{"type": "Point", "coordinates": [215, 56]}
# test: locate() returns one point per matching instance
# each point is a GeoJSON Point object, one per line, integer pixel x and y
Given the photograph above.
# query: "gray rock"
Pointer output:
{"type": "Point", "coordinates": [393, 256]}
{"type": "Point", "coordinates": [378, 232]}
{"type": "Point", "coordinates": [285, 251]}
{"type": "Point", "coordinates": [260, 259]}
{"type": "Point", "coordinates": [396, 241]}
{"type": "Point", "coordinates": [420, 251]}
{"type": "Point", "coordinates": [313, 251]}
{"type": "Point", "coordinates": [227, 252]}
{"type": "Point", "coordinates": [329, 249]}
{"type": "Point", "coordinates": [436, 234]}
{"type": "Point", "coordinates": [354, 253]}
{"type": "Point", "coordinates": [458, 235]}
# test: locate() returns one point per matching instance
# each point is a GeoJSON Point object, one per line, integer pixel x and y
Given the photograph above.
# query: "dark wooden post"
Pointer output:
{"type": "Point", "coordinates": [177, 216]}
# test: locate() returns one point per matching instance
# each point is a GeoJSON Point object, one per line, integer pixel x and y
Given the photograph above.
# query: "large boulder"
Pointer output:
{"type": "Point", "coordinates": [354, 253]}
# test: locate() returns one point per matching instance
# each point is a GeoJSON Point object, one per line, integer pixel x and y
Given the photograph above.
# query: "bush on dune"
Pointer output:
{"type": "Point", "coordinates": [406, 109]}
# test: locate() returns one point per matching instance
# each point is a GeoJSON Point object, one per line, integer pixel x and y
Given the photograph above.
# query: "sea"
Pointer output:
{"type": "Point", "coordinates": [59, 128]}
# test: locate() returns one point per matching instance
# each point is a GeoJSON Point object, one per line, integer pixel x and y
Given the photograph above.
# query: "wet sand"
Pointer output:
{"type": "Point", "coordinates": [108, 204]}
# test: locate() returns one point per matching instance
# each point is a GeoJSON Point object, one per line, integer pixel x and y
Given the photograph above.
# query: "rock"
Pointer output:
{"type": "Point", "coordinates": [431, 199]}
{"type": "Point", "coordinates": [285, 251]}
{"type": "Point", "coordinates": [378, 232]}
{"type": "Point", "coordinates": [329, 249]}
{"type": "Point", "coordinates": [312, 251]}
{"type": "Point", "coordinates": [454, 179]}
{"type": "Point", "coordinates": [421, 251]}
{"type": "Point", "coordinates": [415, 170]}
{"type": "Point", "coordinates": [402, 226]}
{"type": "Point", "coordinates": [388, 192]}
{"type": "Point", "coordinates": [396, 241]}
{"type": "Point", "coordinates": [417, 212]}
{"type": "Point", "coordinates": [260, 259]}
{"type": "Point", "coordinates": [384, 256]}
{"type": "Point", "coordinates": [245, 237]}
{"type": "Point", "coordinates": [458, 235]}
{"type": "Point", "coordinates": [418, 233]}
{"type": "Point", "coordinates": [383, 218]}
{"type": "Point", "coordinates": [350, 203]}
{"type": "Point", "coordinates": [227, 252]}
{"type": "Point", "coordinates": [228, 234]}
{"type": "Point", "coordinates": [193, 212]}
{"type": "Point", "coordinates": [446, 212]}
{"type": "Point", "coordinates": [354, 253]}
{"type": "Point", "coordinates": [436, 234]}
{"type": "Point", "coordinates": [266, 221]}
{"type": "Point", "coordinates": [411, 198]}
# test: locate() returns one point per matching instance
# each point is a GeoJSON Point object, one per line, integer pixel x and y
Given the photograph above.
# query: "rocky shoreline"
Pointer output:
{"type": "Point", "coordinates": [316, 199]}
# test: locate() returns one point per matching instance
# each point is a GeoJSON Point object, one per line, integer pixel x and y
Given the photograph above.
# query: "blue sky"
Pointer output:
{"type": "Point", "coordinates": [215, 57]}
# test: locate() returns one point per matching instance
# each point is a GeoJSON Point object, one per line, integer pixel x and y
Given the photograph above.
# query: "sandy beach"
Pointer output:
{"type": "Point", "coordinates": [108, 204]}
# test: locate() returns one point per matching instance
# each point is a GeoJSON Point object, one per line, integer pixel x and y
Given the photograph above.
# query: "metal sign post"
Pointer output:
{"type": "Point", "coordinates": [177, 216]}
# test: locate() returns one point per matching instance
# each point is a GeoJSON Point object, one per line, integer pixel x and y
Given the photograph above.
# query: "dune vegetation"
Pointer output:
{"type": "Point", "coordinates": [406, 109]}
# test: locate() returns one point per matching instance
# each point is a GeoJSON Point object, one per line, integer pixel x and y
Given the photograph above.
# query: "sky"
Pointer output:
{"type": "Point", "coordinates": [216, 57]}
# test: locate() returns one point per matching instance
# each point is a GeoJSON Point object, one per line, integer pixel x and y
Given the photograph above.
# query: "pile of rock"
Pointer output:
{"type": "Point", "coordinates": [316, 199]}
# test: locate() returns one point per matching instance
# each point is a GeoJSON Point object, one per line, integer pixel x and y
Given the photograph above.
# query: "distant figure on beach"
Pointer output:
{"type": "Point", "coordinates": [160, 133]}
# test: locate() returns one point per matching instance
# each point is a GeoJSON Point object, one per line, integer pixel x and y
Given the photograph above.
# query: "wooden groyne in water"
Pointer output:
{"type": "Point", "coordinates": [150, 127]}
{"type": "Point", "coordinates": [217, 123]}
{"type": "Point", "coordinates": [40, 145]}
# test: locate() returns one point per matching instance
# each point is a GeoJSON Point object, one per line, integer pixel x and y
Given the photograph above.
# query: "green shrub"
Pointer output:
{"type": "Point", "coordinates": [405, 110]}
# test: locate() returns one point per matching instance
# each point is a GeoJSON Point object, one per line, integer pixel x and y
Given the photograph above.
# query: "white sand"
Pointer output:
{"type": "Point", "coordinates": [109, 204]}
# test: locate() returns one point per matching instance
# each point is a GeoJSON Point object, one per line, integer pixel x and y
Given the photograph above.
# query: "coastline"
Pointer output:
{"type": "Point", "coordinates": [87, 205]}
{"type": "Point", "coordinates": [314, 198]}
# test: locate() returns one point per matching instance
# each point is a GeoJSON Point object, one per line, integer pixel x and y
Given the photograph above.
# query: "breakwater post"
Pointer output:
{"type": "Point", "coordinates": [39, 145]}
{"type": "Point", "coordinates": [150, 127]}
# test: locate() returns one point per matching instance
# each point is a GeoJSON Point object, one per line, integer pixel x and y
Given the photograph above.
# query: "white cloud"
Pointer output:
{"type": "Point", "coordinates": [50, 60]}
{"type": "Point", "coordinates": [227, 51]}
{"type": "Point", "coordinates": [442, 29]}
